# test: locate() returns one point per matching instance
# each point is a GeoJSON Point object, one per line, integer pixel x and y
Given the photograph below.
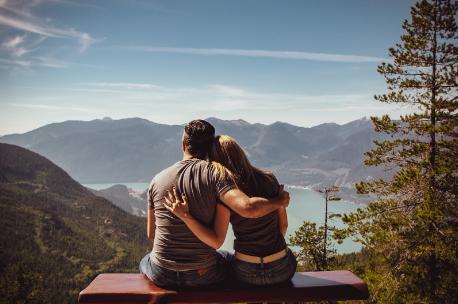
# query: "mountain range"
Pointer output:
{"type": "Point", "coordinates": [57, 235]}
{"type": "Point", "coordinates": [125, 198]}
{"type": "Point", "coordinates": [135, 149]}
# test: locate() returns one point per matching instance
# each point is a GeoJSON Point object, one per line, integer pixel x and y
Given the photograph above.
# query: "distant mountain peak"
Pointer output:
{"type": "Point", "coordinates": [361, 121]}
{"type": "Point", "coordinates": [328, 124]}
{"type": "Point", "coordinates": [281, 123]}
{"type": "Point", "coordinates": [228, 121]}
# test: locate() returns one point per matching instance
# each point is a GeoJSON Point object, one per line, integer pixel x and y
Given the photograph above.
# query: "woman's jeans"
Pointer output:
{"type": "Point", "coordinates": [172, 279]}
{"type": "Point", "coordinates": [275, 272]}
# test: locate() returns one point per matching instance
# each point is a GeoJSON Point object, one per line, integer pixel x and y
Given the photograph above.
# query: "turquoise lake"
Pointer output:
{"type": "Point", "coordinates": [305, 205]}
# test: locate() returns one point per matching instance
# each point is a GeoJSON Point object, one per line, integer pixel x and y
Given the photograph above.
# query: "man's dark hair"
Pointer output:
{"type": "Point", "coordinates": [198, 137]}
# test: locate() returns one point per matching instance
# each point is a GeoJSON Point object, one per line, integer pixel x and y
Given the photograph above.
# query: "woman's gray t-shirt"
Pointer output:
{"type": "Point", "coordinates": [175, 246]}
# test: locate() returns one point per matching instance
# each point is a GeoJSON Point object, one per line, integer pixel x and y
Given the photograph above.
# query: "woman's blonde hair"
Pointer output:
{"type": "Point", "coordinates": [228, 153]}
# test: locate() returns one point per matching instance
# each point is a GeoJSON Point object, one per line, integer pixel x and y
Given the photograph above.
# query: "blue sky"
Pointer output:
{"type": "Point", "coordinates": [302, 62]}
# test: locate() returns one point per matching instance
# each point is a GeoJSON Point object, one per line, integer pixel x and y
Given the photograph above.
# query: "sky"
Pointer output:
{"type": "Point", "coordinates": [303, 62]}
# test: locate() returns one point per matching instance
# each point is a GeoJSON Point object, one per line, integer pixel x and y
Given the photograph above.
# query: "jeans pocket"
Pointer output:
{"type": "Point", "coordinates": [245, 269]}
{"type": "Point", "coordinates": [206, 276]}
{"type": "Point", "coordinates": [281, 271]}
{"type": "Point", "coordinates": [248, 273]}
{"type": "Point", "coordinates": [163, 277]}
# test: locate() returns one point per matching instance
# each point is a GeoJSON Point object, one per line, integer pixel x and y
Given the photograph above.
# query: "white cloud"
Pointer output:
{"type": "Point", "coordinates": [14, 41]}
{"type": "Point", "coordinates": [175, 105]}
{"type": "Point", "coordinates": [23, 63]}
{"type": "Point", "coordinates": [36, 27]}
{"type": "Point", "coordinates": [51, 107]}
{"type": "Point", "coordinates": [123, 85]}
{"type": "Point", "coordinates": [14, 45]}
{"type": "Point", "coordinates": [224, 98]}
{"type": "Point", "coordinates": [19, 15]}
{"type": "Point", "coordinates": [44, 61]}
{"type": "Point", "coordinates": [259, 53]}
{"type": "Point", "coordinates": [51, 62]}
{"type": "Point", "coordinates": [74, 3]}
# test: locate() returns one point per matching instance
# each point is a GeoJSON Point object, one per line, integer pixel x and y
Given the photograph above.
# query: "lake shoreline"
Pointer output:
{"type": "Point", "coordinates": [100, 186]}
{"type": "Point", "coordinates": [305, 205]}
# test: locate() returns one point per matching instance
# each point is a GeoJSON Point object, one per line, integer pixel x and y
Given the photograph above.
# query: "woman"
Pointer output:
{"type": "Point", "coordinates": [261, 255]}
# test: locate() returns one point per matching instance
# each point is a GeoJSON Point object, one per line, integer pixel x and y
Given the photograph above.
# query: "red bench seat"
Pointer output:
{"type": "Point", "coordinates": [305, 286]}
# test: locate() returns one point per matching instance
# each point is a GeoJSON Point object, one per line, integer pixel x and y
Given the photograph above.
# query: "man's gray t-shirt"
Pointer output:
{"type": "Point", "coordinates": [175, 246]}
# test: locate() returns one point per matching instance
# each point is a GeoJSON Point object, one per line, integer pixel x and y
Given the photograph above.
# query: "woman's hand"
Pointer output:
{"type": "Point", "coordinates": [177, 204]}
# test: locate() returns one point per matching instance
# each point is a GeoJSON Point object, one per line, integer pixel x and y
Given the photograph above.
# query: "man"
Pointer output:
{"type": "Point", "coordinates": [179, 259]}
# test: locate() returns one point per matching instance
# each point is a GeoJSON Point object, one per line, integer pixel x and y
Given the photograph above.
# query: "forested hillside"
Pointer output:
{"type": "Point", "coordinates": [56, 235]}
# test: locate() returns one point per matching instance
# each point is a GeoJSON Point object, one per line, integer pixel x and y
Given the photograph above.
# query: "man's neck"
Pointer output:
{"type": "Point", "coordinates": [187, 155]}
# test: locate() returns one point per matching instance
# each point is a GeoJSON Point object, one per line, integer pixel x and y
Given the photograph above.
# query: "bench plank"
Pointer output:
{"type": "Point", "coordinates": [304, 286]}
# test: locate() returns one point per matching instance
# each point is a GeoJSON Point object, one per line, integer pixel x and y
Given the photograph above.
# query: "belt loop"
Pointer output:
{"type": "Point", "coordinates": [262, 262]}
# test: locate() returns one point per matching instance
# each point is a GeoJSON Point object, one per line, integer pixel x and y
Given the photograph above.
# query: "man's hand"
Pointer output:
{"type": "Point", "coordinates": [283, 196]}
{"type": "Point", "coordinates": [177, 204]}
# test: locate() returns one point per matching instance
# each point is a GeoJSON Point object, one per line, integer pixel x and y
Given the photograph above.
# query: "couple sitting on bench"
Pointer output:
{"type": "Point", "coordinates": [190, 205]}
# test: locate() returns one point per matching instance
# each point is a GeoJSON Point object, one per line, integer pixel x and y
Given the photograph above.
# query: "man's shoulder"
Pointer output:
{"type": "Point", "coordinates": [166, 173]}
{"type": "Point", "coordinates": [194, 164]}
{"type": "Point", "coordinates": [163, 180]}
{"type": "Point", "coordinates": [193, 168]}
{"type": "Point", "coordinates": [202, 164]}
{"type": "Point", "coordinates": [166, 170]}
{"type": "Point", "coordinates": [179, 167]}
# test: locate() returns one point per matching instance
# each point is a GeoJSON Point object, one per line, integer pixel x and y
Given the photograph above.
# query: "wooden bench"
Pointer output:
{"type": "Point", "coordinates": [305, 286]}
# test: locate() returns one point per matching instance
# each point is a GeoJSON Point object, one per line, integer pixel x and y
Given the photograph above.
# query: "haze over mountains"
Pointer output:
{"type": "Point", "coordinates": [135, 149]}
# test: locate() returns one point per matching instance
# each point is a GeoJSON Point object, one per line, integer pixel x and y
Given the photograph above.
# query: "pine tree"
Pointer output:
{"type": "Point", "coordinates": [411, 226]}
{"type": "Point", "coordinates": [313, 254]}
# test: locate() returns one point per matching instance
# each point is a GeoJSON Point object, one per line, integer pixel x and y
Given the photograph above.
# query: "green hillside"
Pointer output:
{"type": "Point", "coordinates": [56, 235]}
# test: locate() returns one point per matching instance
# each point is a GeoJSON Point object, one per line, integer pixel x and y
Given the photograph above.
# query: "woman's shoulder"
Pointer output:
{"type": "Point", "coordinates": [268, 176]}
{"type": "Point", "coordinates": [267, 183]}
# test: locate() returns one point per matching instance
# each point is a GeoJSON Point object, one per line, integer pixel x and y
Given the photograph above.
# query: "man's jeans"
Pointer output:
{"type": "Point", "coordinates": [172, 279]}
{"type": "Point", "coordinates": [276, 272]}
